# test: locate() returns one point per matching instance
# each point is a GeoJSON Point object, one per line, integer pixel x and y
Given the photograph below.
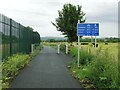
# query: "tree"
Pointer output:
{"type": "Point", "coordinates": [29, 28]}
{"type": "Point", "coordinates": [68, 19]}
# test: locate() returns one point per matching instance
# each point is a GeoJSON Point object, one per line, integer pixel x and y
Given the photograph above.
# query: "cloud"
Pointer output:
{"type": "Point", "coordinates": [104, 12]}
{"type": "Point", "coordinates": [55, 3]}
{"type": "Point", "coordinates": [39, 13]}
{"type": "Point", "coordinates": [104, 16]}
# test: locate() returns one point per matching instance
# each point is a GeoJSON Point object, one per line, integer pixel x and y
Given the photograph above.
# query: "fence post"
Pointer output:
{"type": "Point", "coordinates": [32, 48]}
{"type": "Point", "coordinates": [10, 37]}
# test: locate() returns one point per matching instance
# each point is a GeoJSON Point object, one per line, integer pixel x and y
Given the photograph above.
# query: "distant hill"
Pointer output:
{"type": "Point", "coordinates": [55, 38]}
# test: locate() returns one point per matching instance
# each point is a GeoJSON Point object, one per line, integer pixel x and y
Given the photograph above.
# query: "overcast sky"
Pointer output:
{"type": "Point", "coordinates": [39, 14]}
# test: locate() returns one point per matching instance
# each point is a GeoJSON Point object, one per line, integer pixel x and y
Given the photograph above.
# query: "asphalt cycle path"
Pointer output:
{"type": "Point", "coordinates": [47, 70]}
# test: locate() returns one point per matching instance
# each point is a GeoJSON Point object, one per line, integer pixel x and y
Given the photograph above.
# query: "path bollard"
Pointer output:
{"type": "Point", "coordinates": [58, 49]}
{"type": "Point", "coordinates": [66, 49]}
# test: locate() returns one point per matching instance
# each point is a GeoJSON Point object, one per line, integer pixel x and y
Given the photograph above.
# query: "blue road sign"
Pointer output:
{"type": "Point", "coordinates": [88, 29]}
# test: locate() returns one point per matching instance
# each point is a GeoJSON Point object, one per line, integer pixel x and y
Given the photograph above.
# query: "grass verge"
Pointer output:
{"type": "Point", "coordinates": [100, 71]}
{"type": "Point", "coordinates": [12, 65]}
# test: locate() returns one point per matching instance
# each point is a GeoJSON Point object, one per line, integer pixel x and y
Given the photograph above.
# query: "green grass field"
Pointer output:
{"type": "Point", "coordinates": [112, 48]}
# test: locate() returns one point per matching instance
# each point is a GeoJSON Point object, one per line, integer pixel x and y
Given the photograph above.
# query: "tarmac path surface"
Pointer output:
{"type": "Point", "coordinates": [47, 70]}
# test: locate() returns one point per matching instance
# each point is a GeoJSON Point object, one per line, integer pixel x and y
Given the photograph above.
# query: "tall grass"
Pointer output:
{"type": "Point", "coordinates": [100, 70]}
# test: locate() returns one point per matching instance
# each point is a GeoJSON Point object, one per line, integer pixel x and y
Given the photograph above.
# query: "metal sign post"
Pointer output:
{"type": "Point", "coordinates": [78, 48]}
{"type": "Point", "coordinates": [95, 44]}
{"type": "Point", "coordinates": [86, 29]}
{"type": "Point", "coordinates": [91, 39]}
{"type": "Point", "coordinates": [78, 51]}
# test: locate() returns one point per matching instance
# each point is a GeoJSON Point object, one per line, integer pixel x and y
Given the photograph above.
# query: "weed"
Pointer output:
{"type": "Point", "coordinates": [12, 65]}
{"type": "Point", "coordinates": [101, 71]}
